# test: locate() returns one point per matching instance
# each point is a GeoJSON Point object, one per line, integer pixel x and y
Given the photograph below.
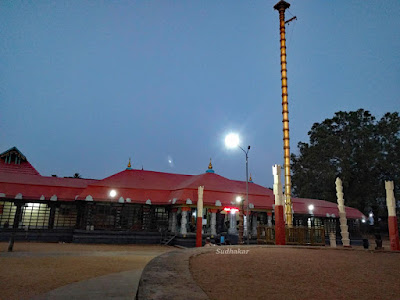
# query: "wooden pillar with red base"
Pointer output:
{"type": "Point", "coordinates": [280, 238]}
{"type": "Point", "coordinates": [199, 222]}
{"type": "Point", "coordinates": [392, 220]}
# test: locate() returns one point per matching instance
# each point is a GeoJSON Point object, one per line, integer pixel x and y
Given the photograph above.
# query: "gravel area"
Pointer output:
{"type": "Point", "coordinates": [292, 273]}
{"type": "Point", "coordinates": [35, 268]}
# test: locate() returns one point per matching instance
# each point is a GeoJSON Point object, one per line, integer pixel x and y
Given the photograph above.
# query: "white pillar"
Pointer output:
{"type": "Point", "coordinates": [390, 200]}
{"type": "Point", "coordinates": [392, 220]}
{"type": "Point", "coordinates": [344, 230]}
{"type": "Point", "coordinates": [332, 239]}
{"type": "Point", "coordinates": [173, 223]}
{"type": "Point", "coordinates": [184, 222]}
{"type": "Point", "coordinates": [254, 231]}
{"type": "Point", "coordinates": [276, 171]}
{"type": "Point", "coordinates": [244, 226]}
{"type": "Point", "coordinates": [232, 223]}
{"type": "Point", "coordinates": [213, 223]}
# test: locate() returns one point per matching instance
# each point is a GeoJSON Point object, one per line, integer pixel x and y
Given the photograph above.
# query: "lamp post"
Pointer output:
{"type": "Point", "coordinates": [240, 201]}
{"type": "Point", "coordinates": [232, 141]}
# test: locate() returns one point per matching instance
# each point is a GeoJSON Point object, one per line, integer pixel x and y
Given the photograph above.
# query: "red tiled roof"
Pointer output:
{"type": "Point", "coordinates": [167, 188]}
{"type": "Point", "coordinates": [323, 208]}
{"type": "Point", "coordinates": [34, 186]}
{"type": "Point", "coordinates": [143, 180]}
{"type": "Point", "coordinates": [159, 188]}
{"type": "Point", "coordinates": [24, 168]}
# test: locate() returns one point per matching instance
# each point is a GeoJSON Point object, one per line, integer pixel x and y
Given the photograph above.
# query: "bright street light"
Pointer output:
{"type": "Point", "coordinates": [238, 199]}
{"type": "Point", "coordinates": [311, 207]}
{"type": "Point", "coordinates": [113, 193]}
{"type": "Point", "coordinates": [232, 140]}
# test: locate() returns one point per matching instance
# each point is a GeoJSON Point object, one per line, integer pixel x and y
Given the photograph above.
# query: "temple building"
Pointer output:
{"type": "Point", "coordinates": [140, 206]}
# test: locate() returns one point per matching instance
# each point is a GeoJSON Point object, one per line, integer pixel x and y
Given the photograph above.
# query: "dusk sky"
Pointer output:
{"type": "Point", "coordinates": [84, 85]}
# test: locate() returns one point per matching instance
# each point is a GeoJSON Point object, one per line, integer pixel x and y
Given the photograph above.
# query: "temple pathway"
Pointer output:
{"type": "Point", "coordinates": [73, 271]}
{"type": "Point", "coordinates": [121, 285]}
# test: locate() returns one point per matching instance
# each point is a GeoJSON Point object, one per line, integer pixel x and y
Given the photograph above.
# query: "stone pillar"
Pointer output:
{"type": "Point", "coordinates": [269, 216]}
{"type": "Point", "coordinates": [344, 230]}
{"type": "Point", "coordinates": [332, 239]}
{"type": "Point", "coordinates": [118, 212]}
{"type": "Point", "coordinates": [232, 223]}
{"type": "Point", "coordinates": [173, 220]}
{"type": "Point", "coordinates": [184, 220]}
{"type": "Point", "coordinates": [170, 221]}
{"type": "Point", "coordinates": [199, 223]}
{"type": "Point", "coordinates": [89, 207]}
{"type": "Point", "coordinates": [79, 214]}
{"type": "Point", "coordinates": [254, 223]}
{"type": "Point", "coordinates": [280, 238]}
{"type": "Point", "coordinates": [18, 215]}
{"type": "Point", "coordinates": [244, 225]}
{"type": "Point", "coordinates": [52, 216]}
{"type": "Point", "coordinates": [392, 219]}
{"type": "Point", "coordinates": [213, 222]}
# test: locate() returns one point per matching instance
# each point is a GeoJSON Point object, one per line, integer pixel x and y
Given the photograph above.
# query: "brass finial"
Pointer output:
{"type": "Point", "coordinates": [129, 164]}
{"type": "Point", "coordinates": [250, 178]}
{"type": "Point", "coordinates": [210, 165]}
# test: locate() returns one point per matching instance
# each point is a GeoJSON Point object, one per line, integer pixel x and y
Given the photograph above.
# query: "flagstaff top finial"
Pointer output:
{"type": "Point", "coordinates": [281, 5]}
{"type": "Point", "coordinates": [210, 168]}
{"type": "Point", "coordinates": [129, 167]}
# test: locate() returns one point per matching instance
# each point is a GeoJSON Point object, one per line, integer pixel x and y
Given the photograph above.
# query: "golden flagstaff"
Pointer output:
{"type": "Point", "coordinates": [281, 6]}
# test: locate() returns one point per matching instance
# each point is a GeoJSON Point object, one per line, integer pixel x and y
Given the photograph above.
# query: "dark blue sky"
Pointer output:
{"type": "Point", "coordinates": [87, 84]}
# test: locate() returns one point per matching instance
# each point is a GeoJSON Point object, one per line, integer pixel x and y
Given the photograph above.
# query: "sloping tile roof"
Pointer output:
{"type": "Point", "coordinates": [158, 187]}
{"type": "Point", "coordinates": [24, 168]}
{"type": "Point", "coordinates": [324, 208]}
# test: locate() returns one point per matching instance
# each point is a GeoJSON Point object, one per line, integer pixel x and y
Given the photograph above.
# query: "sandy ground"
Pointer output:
{"type": "Point", "coordinates": [291, 273]}
{"type": "Point", "coordinates": [35, 268]}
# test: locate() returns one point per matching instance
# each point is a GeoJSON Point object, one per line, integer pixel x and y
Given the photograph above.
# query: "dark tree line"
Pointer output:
{"type": "Point", "coordinates": [361, 150]}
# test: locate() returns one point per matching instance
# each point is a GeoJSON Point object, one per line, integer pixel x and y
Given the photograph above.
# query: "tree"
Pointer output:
{"type": "Point", "coordinates": [356, 147]}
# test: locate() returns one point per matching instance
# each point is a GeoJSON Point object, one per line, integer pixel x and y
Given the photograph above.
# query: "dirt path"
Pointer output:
{"type": "Point", "coordinates": [35, 268]}
{"type": "Point", "coordinates": [289, 273]}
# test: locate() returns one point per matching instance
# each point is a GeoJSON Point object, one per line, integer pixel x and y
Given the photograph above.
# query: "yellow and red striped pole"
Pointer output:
{"type": "Point", "coordinates": [281, 6]}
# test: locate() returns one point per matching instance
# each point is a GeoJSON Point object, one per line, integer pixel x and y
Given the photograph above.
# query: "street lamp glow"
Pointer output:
{"type": "Point", "coordinates": [232, 140]}
{"type": "Point", "coordinates": [238, 199]}
{"type": "Point", "coordinates": [311, 207]}
{"type": "Point", "coordinates": [113, 193]}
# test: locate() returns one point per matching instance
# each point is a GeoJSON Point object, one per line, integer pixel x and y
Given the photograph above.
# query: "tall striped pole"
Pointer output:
{"type": "Point", "coordinates": [281, 6]}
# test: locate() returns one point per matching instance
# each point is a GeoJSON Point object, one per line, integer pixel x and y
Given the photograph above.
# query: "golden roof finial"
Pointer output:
{"type": "Point", "coordinates": [129, 164]}
{"type": "Point", "coordinates": [210, 165]}
{"type": "Point", "coordinates": [250, 180]}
